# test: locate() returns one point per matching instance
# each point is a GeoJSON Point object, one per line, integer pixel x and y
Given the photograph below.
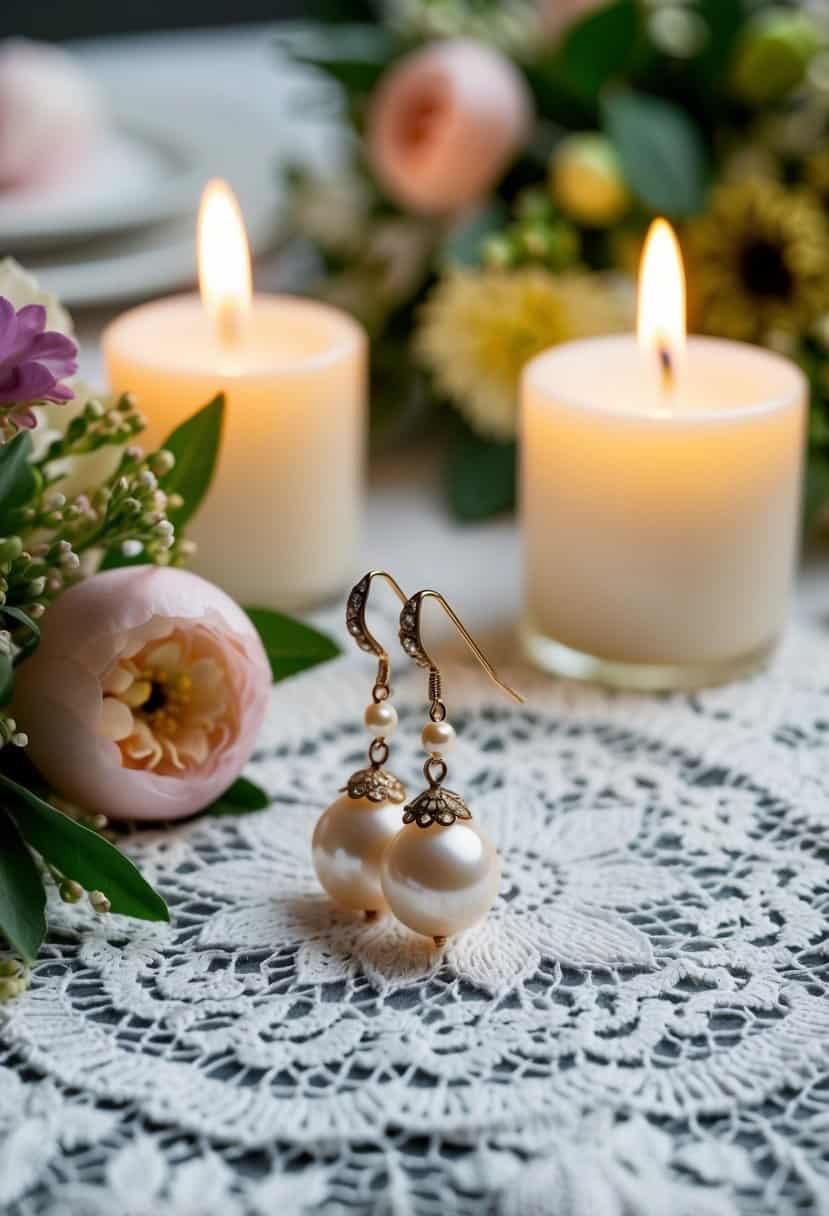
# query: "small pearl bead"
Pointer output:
{"type": "Point", "coordinates": [381, 719]}
{"type": "Point", "coordinates": [438, 737]}
{"type": "Point", "coordinates": [440, 880]}
{"type": "Point", "coordinates": [348, 843]}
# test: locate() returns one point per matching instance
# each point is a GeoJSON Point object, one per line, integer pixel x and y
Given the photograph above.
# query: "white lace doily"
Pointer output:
{"type": "Point", "coordinates": [640, 1027]}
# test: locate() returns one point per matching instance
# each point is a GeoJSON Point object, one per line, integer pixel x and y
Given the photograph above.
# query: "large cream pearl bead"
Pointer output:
{"type": "Point", "coordinates": [346, 848]}
{"type": "Point", "coordinates": [439, 880]}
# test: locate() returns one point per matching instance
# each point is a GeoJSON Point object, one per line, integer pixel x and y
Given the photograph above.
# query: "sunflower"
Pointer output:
{"type": "Point", "coordinates": [479, 327]}
{"type": "Point", "coordinates": [758, 262]}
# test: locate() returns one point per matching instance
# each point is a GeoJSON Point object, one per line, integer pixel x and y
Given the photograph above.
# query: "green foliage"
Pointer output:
{"type": "Point", "coordinates": [661, 151]}
{"type": "Point", "coordinates": [18, 479]}
{"type": "Point", "coordinates": [353, 55]}
{"type": "Point", "coordinates": [22, 898]}
{"type": "Point", "coordinates": [480, 475]}
{"type": "Point", "coordinates": [240, 799]}
{"type": "Point", "coordinates": [290, 645]}
{"type": "Point", "coordinates": [195, 445]}
{"type": "Point", "coordinates": [601, 48]}
{"type": "Point", "coordinates": [81, 854]}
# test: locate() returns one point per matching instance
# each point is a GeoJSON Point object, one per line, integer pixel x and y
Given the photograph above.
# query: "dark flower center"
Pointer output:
{"type": "Point", "coordinates": [764, 270]}
{"type": "Point", "coordinates": [156, 700]}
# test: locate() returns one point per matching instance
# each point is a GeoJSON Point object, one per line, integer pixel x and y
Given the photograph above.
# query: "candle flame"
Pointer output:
{"type": "Point", "coordinates": [661, 323]}
{"type": "Point", "coordinates": [224, 261]}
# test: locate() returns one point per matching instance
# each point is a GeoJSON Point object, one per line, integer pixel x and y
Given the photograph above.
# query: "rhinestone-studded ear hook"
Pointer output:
{"type": "Point", "coordinates": [351, 834]}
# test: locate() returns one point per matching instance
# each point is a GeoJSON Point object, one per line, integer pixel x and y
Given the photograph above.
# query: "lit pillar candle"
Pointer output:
{"type": "Point", "coordinates": [279, 525]}
{"type": "Point", "coordinates": [660, 497]}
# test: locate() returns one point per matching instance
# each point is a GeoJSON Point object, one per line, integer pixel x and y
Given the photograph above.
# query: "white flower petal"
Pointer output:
{"type": "Point", "coordinates": [116, 722]}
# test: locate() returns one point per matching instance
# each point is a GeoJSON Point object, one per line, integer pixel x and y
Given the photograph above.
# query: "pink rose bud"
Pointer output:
{"type": "Point", "coordinates": [50, 113]}
{"type": "Point", "coordinates": [444, 124]}
{"type": "Point", "coordinates": [146, 694]}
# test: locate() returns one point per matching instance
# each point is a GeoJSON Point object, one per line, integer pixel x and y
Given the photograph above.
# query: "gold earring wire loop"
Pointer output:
{"type": "Point", "coordinates": [355, 619]}
{"type": "Point", "coordinates": [411, 639]}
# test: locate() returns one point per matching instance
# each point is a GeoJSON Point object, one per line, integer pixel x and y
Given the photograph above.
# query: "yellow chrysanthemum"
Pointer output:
{"type": "Point", "coordinates": [479, 327]}
{"type": "Point", "coordinates": [758, 262]}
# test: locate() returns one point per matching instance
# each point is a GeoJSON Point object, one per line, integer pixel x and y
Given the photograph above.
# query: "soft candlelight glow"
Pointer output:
{"type": "Point", "coordinates": [661, 320]}
{"type": "Point", "coordinates": [224, 261]}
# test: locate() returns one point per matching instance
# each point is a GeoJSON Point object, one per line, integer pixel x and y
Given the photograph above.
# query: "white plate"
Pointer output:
{"type": "Point", "coordinates": [135, 175]}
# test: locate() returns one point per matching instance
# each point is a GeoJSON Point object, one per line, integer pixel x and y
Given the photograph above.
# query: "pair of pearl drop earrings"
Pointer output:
{"type": "Point", "coordinates": [439, 873]}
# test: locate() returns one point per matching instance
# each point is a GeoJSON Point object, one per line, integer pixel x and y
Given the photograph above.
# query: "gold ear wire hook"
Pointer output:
{"type": "Point", "coordinates": [355, 618]}
{"type": "Point", "coordinates": [412, 642]}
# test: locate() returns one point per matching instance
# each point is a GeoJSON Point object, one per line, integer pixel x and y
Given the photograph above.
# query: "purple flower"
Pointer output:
{"type": "Point", "coordinates": [33, 361]}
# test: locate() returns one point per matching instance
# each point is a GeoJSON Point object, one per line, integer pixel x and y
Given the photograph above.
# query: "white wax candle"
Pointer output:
{"type": "Point", "coordinates": [279, 525]}
{"type": "Point", "coordinates": [660, 532]}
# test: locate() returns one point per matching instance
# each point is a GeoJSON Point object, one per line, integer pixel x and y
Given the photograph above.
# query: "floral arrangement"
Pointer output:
{"type": "Point", "coordinates": [129, 688]}
{"type": "Point", "coordinates": [507, 160]}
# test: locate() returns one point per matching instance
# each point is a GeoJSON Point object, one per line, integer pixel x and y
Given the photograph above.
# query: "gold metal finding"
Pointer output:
{"type": "Point", "coordinates": [411, 639]}
{"type": "Point", "coordinates": [374, 782]}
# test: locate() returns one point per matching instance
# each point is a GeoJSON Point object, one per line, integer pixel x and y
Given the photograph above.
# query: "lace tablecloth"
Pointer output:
{"type": "Point", "coordinates": [640, 1027]}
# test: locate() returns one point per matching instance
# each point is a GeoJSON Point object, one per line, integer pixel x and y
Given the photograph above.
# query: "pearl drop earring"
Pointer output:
{"type": "Point", "coordinates": [441, 873]}
{"type": "Point", "coordinates": [352, 833]}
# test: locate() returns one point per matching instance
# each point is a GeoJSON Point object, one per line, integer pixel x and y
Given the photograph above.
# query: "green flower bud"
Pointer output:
{"type": "Point", "coordinates": [11, 988]}
{"type": "Point", "coordinates": [496, 251]}
{"type": "Point", "coordinates": [10, 548]}
{"type": "Point", "coordinates": [773, 55]}
{"type": "Point", "coordinates": [70, 891]}
{"type": "Point", "coordinates": [586, 180]}
{"type": "Point", "coordinates": [11, 968]}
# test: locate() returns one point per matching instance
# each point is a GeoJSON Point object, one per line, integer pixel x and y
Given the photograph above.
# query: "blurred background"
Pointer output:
{"type": "Point", "coordinates": [60, 19]}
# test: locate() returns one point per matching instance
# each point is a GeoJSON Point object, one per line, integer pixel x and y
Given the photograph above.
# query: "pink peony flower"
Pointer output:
{"type": "Point", "coordinates": [444, 124]}
{"type": "Point", "coordinates": [146, 693]}
{"type": "Point", "coordinates": [33, 362]}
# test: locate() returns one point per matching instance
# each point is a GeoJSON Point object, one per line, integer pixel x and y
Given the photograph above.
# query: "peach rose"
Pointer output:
{"type": "Point", "coordinates": [444, 123]}
{"type": "Point", "coordinates": [146, 694]}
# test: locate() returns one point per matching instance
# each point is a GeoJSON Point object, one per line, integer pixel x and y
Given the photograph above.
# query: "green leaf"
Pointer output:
{"type": "Point", "coordinates": [22, 898]}
{"type": "Point", "coordinates": [195, 445]}
{"type": "Point", "coordinates": [815, 490]}
{"type": "Point", "coordinates": [598, 48]}
{"type": "Point", "coordinates": [480, 475]}
{"type": "Point", "coordinates": [6, 678]}
{"type": "Point", "coordinates": [241, 798]}
{"type": "Point", "coordinates": [82, 854]}
{"type": "Point", "coordinates": [661, 150]}
{"type": "Point", "coordinates": [18, 481]}
{"type": "Point", "coordinates": [290, 645]}
{"type": "Point", "coordinates": [23, 618]}
{"type": "Point", "coordinates": [462, 246]}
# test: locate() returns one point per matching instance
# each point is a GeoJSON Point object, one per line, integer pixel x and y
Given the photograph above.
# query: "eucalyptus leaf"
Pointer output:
{"type": "Point", "coordinates": [291, 646]}
{"type": "Point", "coordinates": [462, 246]}
{"type": "Point", "coordinates": [661, 151]}
{"type": "Point", "coordinates": [18, 480]}
{"type": "Point", "coordinates": [22, 897]}
{"type": "Point", "coordinates": [82, 854]}
{"type": "Point", "coordinates": [195, 445]}
{"type": "Point", "coordinates": [240, 799]}
{"type": "Point", "coordinates": [353, 54]}
{"type": "Point", "coordinates": [480, 475]}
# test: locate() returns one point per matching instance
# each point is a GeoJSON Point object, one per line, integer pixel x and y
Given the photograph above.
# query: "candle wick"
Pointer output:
{"type": "Point", "coordinates": [229, 323]}
{"type": "Point", "coordinates": [667, 370]}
